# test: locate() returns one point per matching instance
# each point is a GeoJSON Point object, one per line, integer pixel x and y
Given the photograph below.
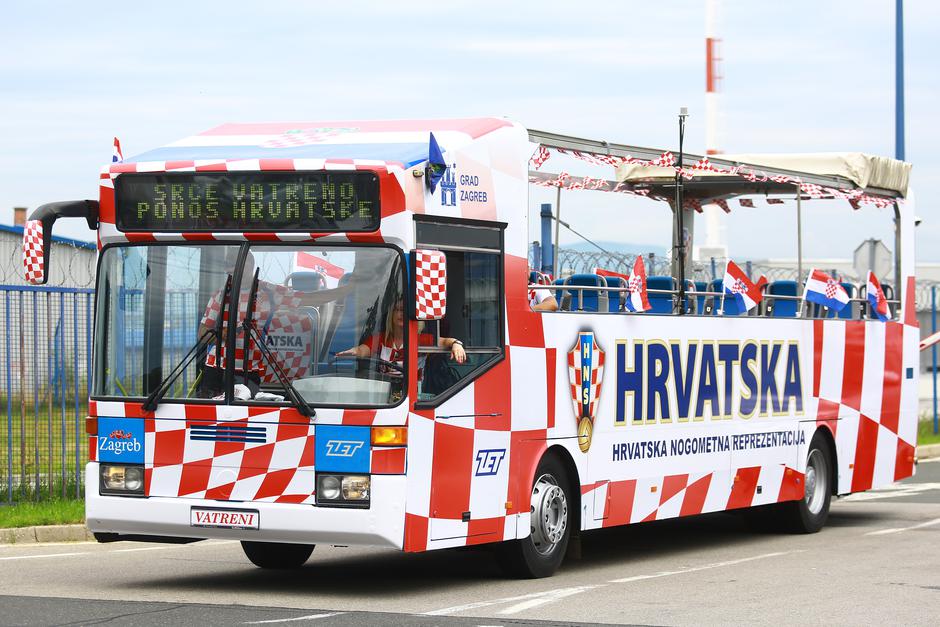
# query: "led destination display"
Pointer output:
{"type": "Point", "coordinates": [248, 201]}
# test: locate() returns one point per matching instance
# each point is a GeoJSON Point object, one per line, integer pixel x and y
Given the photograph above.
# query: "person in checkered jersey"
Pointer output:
{"type": "Point", "coordinates": [542, 300]}
{"type": "Point", "coordinates": [270, 298]}
{"type": "Point", "coordinates": [389, 345]}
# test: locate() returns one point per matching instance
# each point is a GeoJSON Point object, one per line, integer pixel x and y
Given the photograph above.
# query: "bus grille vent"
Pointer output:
{"type": "Point", "coordinates": [228, 433]}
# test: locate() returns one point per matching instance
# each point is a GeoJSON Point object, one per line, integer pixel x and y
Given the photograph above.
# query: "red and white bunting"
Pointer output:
{"type": "Point", "coordinates": [665, 160]}
{"type": "Point", "coordinates": [704, 165]}
{"type": "Point", "coordinates": [812, 190]}
{"type": "Point", "coordinates": [540, 157]}
{"type": "Point", "coordinates": [592, 158]}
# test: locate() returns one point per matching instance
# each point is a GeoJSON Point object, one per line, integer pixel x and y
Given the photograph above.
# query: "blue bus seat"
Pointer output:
{"type": "Point", "coordinates": [660, 303]}
{"type": "Point", "coordinates": [847, 312]}
{"type": "Point", "coordinates": [615, 299]}
{"type": "Point", "coordinates": [777, 308]}
{"type": "Point", "coordinates": [306, 281]}
{"type": "Point", "coordinates": [563, 304]}
{"type": "Point", "coordinates": [700, 286]}
{"type": "Point", "coordinates": [586, 300]}
{"type": "Point", "coordinates": [730, 307]}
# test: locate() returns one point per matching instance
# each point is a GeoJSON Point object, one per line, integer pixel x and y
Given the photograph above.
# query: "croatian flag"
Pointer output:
{"type": "Point", "coordinates": [636, 300]}
{"type": "Point", "coordinates": [738, 285]}
{"type": "Point", "coordinates": [876, 298]}
{"type": "Point", "coordinates": [117, 155]}
{"type": "Point", "coordinates": [822, 289]}
{"type": "Point", "coordinates": [330, 272]}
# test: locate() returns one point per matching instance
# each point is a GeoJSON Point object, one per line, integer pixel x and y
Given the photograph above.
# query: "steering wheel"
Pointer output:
{"type": "Point", "coordinates": [374, 362]}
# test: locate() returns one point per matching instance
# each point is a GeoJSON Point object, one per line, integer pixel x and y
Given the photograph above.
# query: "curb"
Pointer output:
{"type": "Point", "coordinates": [47, 533]}
{"type": "Point", "coordinates": [927, 451]}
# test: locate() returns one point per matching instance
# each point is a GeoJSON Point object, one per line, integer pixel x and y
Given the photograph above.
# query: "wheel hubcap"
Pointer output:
{"type": "Point", "coordinates": [815, 493]}
{"type": "Point", "coordinates": [549, 511]}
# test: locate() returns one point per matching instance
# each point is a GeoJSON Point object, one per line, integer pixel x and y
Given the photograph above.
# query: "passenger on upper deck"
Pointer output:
{"type": "Point", "coordinates": [542, 300]}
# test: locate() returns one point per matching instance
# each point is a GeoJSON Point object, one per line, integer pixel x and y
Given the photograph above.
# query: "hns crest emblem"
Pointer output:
{"type": "Point", "coordinates": [585, 374]}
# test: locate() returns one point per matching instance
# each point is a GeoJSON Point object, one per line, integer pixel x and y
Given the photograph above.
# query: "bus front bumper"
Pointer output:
{"type": "Point", "coordinates": [153, 518]}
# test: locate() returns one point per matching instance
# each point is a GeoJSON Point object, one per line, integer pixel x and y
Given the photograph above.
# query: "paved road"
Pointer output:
{"type": "Point", "coordinates": [877, 561]}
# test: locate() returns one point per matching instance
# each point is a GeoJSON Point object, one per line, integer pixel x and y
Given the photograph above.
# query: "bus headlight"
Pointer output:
{"type": "Point", "coordinates": [121, 479]}
{"type": "Point", "coordinates": [329, 489]}
{"type": "Point", "coordinates": [356, 488]}
{"type": "Point", "coordinates": [335, 490]}
{"type": "Point", "coordinates": [133, 478]}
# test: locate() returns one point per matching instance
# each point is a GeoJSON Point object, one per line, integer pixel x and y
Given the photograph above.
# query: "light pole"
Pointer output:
{"type": "Point", "coordinates": [680, 211]}
{"type": "Point", "coordinates": [899, 81]}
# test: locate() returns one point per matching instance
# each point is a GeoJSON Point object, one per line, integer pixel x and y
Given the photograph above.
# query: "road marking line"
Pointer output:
{"type": "Point", "coordinates": [144, 548]}
{"type": "Point", "coordinates": [478, 604]}
{"type": "Point", "coordinates": [296, 618]}
{"type": "Point", "coordinates": [882, 532]}
{"type": "Point", "coordinates": [172, 546]}
{"type": "Point", "coordinates": [892, 491]}
{"type": "Point", "coordinates": [694, 569]}
{"type": "Point", "coordinates": [550, 597]}
{"type": "Point", "coordinates": [32, 557]}
{"type": "Point", "coordinates": [535, 599]}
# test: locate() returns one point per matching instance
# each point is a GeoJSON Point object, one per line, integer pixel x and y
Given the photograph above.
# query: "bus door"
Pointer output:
{"type": "Point", "coordinates": [470, 461]}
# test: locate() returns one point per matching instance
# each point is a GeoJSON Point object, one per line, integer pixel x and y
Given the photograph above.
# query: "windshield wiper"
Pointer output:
{"type": "Point", "coordinates": [252, 334]}
{"type": "Point", "coordinates": [150, 404]}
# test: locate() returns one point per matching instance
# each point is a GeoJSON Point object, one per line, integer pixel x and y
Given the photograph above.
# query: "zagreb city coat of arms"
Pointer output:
{"type": "Point", "coordinates": [585, 374]}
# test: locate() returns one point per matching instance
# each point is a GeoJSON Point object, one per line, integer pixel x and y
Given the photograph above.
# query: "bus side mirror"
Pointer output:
{"type": "Point", "coordinates": [35, 252]}
{"type": "Point", "coordinates": [429, 269]}
{"type": "Point", "coordinates": [37, 234]}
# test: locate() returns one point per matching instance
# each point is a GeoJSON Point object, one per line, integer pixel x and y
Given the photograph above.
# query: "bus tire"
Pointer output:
{"type": "Point", "coordinates": [277, 555]}
{"type": "Point", "coordinates": [542, 551]}
{"type": "Point", "coordinates": [809, 514]}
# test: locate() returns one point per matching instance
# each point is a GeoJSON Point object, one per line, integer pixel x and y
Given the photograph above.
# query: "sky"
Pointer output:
{"type": "Point", "coordinates": [801, 76]}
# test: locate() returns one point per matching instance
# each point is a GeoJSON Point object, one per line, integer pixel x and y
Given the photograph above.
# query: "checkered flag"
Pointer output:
{"type": "Point", "coordinates": [430, 284]}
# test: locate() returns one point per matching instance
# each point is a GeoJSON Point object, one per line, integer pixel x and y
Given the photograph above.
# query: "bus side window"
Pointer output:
{"type": "Point", "coordinates": [475, 296]}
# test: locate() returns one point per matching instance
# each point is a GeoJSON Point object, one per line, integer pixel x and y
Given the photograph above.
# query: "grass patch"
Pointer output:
{"type": "Point", "coordinates": [62, 512]}
{"type": "Point", "coordinates": [925, 434]}
{"type": "Point", "coordinates": [41, 446]}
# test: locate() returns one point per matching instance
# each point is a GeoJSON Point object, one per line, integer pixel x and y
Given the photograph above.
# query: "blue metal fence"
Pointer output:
{"type": "Point", "coordinates": [45, 363]}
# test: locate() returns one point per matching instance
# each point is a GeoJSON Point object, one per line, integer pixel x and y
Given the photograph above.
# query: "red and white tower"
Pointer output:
{"type": "Point", "coordinates": [715, 240]}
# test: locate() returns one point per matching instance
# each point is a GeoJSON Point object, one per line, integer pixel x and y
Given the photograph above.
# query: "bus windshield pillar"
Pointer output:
{"type": "Point", "coordinates": [154, 306]}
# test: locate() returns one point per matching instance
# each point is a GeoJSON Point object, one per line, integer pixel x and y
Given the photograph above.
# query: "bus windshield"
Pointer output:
{"type": "Point", "coordinates": [311, 305]}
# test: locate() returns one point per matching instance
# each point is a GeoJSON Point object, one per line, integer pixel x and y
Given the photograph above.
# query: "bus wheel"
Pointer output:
{"type": "Point", "coordinates": [540, 554]}
{"type": "Point", "coordinates": [809, 514]}
{"type": "Point", "coordinates": [277, 555]}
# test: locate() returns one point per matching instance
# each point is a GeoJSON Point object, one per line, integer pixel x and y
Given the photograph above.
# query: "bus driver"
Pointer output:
{"type": "Point", "coordinates": [388, 346]}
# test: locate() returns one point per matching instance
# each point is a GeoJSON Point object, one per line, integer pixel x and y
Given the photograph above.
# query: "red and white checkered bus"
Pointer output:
{"type": "Point", "coordinates": [385, 381]}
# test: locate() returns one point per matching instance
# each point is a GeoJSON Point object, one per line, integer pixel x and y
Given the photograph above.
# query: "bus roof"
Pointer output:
{"type": "Point", "coordinates": [400, 142]}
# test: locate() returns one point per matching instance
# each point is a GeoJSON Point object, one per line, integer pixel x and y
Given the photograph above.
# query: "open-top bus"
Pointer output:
{"type": "Point", "coordinates": [386, 382]}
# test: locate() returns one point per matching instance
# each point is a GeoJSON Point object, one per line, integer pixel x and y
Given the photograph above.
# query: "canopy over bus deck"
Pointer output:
{"type": "Point", "coordinates": [652, 172]}
{"type": "Point", "coordinates": [854, 177]}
